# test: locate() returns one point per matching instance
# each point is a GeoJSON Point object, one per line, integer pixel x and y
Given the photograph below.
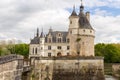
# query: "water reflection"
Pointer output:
{"type": "Point", "coordinates": [109, 77]}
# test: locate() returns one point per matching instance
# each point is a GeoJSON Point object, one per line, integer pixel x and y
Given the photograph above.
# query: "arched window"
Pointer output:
{"type": "Point", "coordinates": [59, 54]}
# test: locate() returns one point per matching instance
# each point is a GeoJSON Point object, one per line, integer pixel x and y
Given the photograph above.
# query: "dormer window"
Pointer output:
{"type": "Point", "coordinates": [59, 34]}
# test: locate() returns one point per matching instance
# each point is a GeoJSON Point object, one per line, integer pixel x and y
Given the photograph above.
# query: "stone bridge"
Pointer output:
{"type": "Point", "coordinates": [12, 67]}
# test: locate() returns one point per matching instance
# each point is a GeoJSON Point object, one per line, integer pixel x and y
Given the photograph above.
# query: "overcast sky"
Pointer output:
{"type": "Point", "coordinates": [20, 18]}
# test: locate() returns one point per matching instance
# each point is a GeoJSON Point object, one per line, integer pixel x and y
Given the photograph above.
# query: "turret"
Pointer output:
{"type": "Point", "coordinates": [81, 33]}
{"type": "Point", "coordinates": [42, 42]}
{"type": "Point", "coordinates": [73, 19]}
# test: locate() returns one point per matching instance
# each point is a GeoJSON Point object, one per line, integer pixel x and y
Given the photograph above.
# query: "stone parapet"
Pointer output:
{"type": "Point", "coordinates": [70, 58]}
{"type": "Point", "coordinates": [8, 58]}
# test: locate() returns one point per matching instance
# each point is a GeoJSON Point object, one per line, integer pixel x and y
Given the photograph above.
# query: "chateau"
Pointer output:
{"type": "Point", "coordinates": [67, 55]}
{"type": "Point", "coordinates": [78, 40]}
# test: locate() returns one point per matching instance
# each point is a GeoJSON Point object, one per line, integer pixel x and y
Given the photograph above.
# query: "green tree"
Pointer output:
{"type": "Point", "coordinates": [99, 49]}
{"type": "Point", "coordinates": [22, 49]}
{"type": "Point", "coordinates": [110, 52]}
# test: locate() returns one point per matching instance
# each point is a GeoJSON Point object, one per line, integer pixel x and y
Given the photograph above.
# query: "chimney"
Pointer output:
{"type": "Point", "coordinates": [88, 15]}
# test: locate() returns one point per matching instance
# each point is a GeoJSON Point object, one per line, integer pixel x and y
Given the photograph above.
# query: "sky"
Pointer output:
{"type": "Point", "coordinates": [20, 18]}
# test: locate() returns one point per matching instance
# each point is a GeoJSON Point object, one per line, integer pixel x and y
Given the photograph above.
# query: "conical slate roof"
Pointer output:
{"type": "Point", "coordinates": [83, 21]}
{"type": "Point", "coordinates": [73, 12]}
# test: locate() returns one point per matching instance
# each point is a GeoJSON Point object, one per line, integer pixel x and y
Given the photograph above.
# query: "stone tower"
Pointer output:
{"type": "Point", "coordinates": [81, 33]}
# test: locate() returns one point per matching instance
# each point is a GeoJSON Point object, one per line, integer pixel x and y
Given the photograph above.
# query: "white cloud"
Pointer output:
{"type": "Point", "coordinates": [107, 28]}
{"type": "Point", "coordinates": [20, 18]}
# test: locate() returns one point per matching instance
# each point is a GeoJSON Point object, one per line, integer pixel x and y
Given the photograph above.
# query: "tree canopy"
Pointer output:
{"type": "Point", "coordinates": [22, 49]}
{"type": "Point", "coordinates": [110, 52]}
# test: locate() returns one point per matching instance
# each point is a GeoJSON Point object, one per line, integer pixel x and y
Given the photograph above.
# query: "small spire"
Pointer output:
{"type": "Point", "coordinates": [81, 7]}
{"type": "Point", "coordinates": [37, 34]}
{"type": "Point", "coordinates": [81, 2]}
{"type": "Point", "coordinates": [74, 12]}
{"type": "Point", "coordinates": [42, 35]}
{"type": "Point", "coordinates": [73, 7]}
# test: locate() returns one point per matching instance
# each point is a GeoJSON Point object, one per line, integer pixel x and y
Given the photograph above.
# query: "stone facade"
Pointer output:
{"type": "Point", "coordinates": [11, 67]}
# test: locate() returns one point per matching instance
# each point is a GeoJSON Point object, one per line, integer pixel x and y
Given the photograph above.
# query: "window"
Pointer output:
{"type": "Point", "coordinates": [59, 40]}
{"type": "Point", "coordinates": [49, 40]}
{"type": "Point", "coordinates": [59, 34]}
{"type": "Point", "coordinates": [49, 47]}
{"type": "Point", "coordinates": [68, 54]}
{"type": "Point", "coordinates": [49, 54]}
{"type": "Point", "coordinates": [90, 31]}
{"type": "Point", "coordinates": [68, 47]}
{"type": "Point", "coordinates": [36, 51]}
{"type": "Point", "coordinates": [68, 40]}
{"type": "Point", "coordinates": [41, 48]}
{"type": "Point", "coordinates": [59, 54]}
{"type": "Point", "coordinates": [59, 47]}
{"type": "Point", "coordinates": [83, 30]}
{"type": "Point", "coordinates": [33, 50]}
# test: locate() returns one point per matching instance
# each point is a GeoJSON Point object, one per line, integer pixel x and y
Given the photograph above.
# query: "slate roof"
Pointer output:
{"type": "Point", "coordinates": [83, 21]}
{"type": "Point", "coordinates": [35, 40]}
{"type": "Point", "coordinates": [54, 37]}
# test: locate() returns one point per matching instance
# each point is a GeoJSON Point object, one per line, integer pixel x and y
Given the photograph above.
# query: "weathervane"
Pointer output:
{"type": "Point", "coordinates": [81, 2]}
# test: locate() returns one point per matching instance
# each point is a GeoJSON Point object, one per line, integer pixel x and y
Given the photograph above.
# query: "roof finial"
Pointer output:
{"type": "Point", "coordinates": [81, 7]}
{"type": "Point", "coordinates": [74, 7]}
{"type": "Point", "coordinates": [37, 34]}
{"type": "Point", "coordinates": [42, 34]}
{"type": "Point", "coordinates": [81, 2]}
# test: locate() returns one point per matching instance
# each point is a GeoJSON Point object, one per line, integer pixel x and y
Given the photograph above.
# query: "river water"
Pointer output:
{"type": "Point", "coordinates": [109, 78]}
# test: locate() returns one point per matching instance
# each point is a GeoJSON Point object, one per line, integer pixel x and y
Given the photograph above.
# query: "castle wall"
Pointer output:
{"type": "Point", "coordinates": [63, 67]}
